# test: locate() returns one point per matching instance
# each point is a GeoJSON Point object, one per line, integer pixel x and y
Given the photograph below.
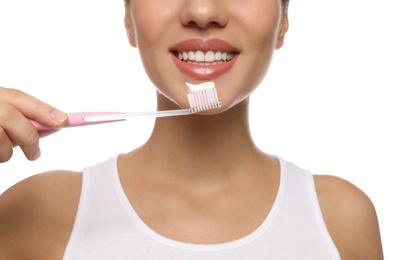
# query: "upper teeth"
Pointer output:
{"type": "Point", "coordinates": [209, 56]}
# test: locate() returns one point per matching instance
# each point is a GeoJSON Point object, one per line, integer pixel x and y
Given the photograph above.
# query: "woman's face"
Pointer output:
{"type": "Point", "coordinates": [229, 42]}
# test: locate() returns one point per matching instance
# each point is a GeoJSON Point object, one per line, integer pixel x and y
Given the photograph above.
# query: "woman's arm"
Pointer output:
{"type": "Point", "coordinates": [350, 217]}
{"type": "Point", "coordinates": [37, 215]}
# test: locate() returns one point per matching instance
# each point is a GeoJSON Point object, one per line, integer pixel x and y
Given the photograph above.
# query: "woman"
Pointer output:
{"type": "Point", "coordinates": [199, 188]}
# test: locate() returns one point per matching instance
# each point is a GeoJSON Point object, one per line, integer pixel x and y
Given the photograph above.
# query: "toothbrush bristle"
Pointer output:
{"type": "Point", "coordinates": [203, 100]}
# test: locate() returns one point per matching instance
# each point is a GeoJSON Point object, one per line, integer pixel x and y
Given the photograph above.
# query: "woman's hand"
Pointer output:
{"type": "Point", "coordinates": [16, 130]}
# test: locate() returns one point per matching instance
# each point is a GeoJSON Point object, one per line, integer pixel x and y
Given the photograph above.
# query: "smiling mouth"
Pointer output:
{"type": "Point", "coordinates": [204, 58]}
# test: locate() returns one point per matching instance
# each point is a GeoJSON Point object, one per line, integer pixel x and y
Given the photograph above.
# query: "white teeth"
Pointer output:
{"type": "Point", "coordinates": [217, 56]}
{"type": "Point", "coordinates": [191, 55]}
{"type": "Point", "coordinates": [199, 56]}
{"type": "Point", "coordinates": [209, 56]}
{"type": "Point", "coordinates": [224, 56]}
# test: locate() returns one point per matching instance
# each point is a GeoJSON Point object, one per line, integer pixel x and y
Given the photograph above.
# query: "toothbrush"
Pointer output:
{"type": "Point", "coordinates": [201, 97]}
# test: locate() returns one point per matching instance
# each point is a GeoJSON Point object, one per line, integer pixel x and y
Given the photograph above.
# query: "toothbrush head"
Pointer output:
{"type": "Point", "coordinates": [202, 97]}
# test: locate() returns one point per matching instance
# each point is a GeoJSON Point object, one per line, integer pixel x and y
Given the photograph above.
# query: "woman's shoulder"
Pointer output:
{"type": "Point", "coordinates": [44, 187]}
{"type": "Point", "coordinates": [37, 214]}
{"type": "Point", "coordinates": [350, 217]}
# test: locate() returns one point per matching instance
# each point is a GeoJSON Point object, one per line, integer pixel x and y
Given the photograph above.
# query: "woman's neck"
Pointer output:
{"type": "Point", "coordinates": [202, 148]}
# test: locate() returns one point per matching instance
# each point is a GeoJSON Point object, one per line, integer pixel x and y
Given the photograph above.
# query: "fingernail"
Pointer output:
{"type": "Point", "coordinates": [58, 116]}
{"type": "Point", "coordinates": [36, 155]}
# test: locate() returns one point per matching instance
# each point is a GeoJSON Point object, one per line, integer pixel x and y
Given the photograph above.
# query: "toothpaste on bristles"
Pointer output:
{"type": "Point", "coordinates": [202, 97]}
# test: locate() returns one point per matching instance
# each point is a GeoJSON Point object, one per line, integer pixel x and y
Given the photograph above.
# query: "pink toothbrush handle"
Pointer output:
{"type": "Point", "coordinates": [76, 119]}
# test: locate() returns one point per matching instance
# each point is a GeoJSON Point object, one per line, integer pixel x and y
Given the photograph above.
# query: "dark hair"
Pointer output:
{"type": "Point", "coordinates": [285, 2]}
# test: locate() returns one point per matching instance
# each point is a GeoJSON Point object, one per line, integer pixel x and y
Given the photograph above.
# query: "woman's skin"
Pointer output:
{"type": "Point", "coordinates": [226, 185]}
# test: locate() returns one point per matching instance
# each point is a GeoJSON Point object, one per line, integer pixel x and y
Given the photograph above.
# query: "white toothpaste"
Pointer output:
{"type": "Point", "coordinates": [200, 87]}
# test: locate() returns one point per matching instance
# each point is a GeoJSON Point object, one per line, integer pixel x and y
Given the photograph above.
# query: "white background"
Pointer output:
{"type": "Point", "coordinates": [330, 102]}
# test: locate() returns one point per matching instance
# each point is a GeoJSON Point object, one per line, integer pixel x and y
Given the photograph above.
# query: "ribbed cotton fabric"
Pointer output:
{"type": "Point", "coordinates": [107, 226]}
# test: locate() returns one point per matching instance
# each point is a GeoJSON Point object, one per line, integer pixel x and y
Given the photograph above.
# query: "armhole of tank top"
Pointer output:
{"type": "Point", "coordinates": [81, 204]}
{"type": "Point", "coordinates": [320, 220]}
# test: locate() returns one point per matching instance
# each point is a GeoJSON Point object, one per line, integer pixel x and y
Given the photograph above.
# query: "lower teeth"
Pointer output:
{"type": "Point", "coordinates": [204, 63]}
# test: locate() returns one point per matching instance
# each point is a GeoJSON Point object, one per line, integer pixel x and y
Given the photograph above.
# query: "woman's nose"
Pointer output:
{"type": "Point", "coordinates": [204, 13]}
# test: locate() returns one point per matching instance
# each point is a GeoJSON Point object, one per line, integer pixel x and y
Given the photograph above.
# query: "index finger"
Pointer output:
{"type": "Point", "coordinates": [32, 107]}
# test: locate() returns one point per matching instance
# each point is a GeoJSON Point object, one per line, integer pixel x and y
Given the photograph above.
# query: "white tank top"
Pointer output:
{"type": "Point", "coordinates": [107, 226]}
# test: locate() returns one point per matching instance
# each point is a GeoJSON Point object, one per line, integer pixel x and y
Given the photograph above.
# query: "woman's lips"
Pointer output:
{"type": "Point", "coordinates": [204, 58]}
{"type": "Point", "coordinates": [203, 71]}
